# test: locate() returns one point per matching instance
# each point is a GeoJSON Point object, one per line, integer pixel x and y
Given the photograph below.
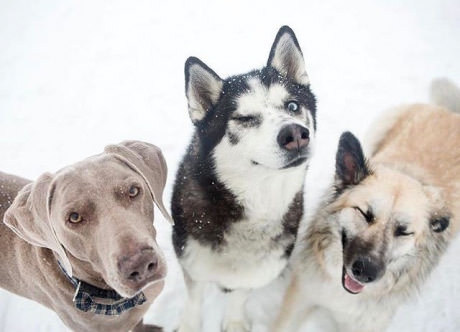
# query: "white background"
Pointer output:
{"type": "Point", "coordinates": [76, 76]}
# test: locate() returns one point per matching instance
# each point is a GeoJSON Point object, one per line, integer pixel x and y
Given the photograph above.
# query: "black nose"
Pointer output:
{"type": "Point", "coordinates": [365, 270]}
{"type": "Point", "coordinates": [293, 137]}
{"type": "Point", "coordinates": [140, 268]}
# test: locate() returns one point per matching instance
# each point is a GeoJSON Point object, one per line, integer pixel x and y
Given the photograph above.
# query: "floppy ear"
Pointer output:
{"type": "Point", "coordinates": [350, 165]}
{"type": "Point", "coordinates": [147, 160]}
{"type": "Point", "coordinates": [28, 217]}
{"type": "Point", "coordinates": [202, 87]}
{"type": "Point", "coordinates": [286, 56]}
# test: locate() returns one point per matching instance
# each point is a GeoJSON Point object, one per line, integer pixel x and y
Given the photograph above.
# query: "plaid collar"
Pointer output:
{"type": "Point", "coordinates": [84, 293]}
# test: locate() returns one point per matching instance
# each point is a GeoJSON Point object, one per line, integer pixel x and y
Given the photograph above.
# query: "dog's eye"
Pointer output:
{"type": "Point", "coordinates": [292, 106]}
{"type": "Point", "coordinates": [74, 218]}
{"type": "Point", "coordinates": [244, 118]}
{"type": "Point", "coordinates": [368, 216]}
{"type": "Point", "coordinates": [402, 231]}
{"type": "Point", "coordinates": [133, 191]}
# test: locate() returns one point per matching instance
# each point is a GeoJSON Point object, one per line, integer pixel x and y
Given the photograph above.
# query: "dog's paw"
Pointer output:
{"type": "Point", "coordinates": [236, 326]}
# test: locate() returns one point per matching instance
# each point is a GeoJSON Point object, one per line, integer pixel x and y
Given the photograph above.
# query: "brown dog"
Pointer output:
{"type": "Point", "coordinates": [82, 241]}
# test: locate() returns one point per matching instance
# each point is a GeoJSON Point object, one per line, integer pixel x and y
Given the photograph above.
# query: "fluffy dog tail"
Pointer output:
{"type": "Point", "coordinates": [444, 92]}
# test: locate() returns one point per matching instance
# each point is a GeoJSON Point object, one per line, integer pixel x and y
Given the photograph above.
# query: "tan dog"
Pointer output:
{"type": "Point", "coordinates": [96, 219]}
{"type": "Point", "coordinates": [386, 223]}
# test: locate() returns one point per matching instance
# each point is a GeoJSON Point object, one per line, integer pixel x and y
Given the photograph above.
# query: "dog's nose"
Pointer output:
{"type": "Point", "coordinates": [139, 268]}
{"type": "Point", "coordinates": [293, 136]}
{"type": "Point", "coordinates": [365, 270]}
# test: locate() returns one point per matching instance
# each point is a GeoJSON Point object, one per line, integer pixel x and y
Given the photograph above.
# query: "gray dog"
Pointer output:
{"type": "Point", "coordinates": [82, 241]}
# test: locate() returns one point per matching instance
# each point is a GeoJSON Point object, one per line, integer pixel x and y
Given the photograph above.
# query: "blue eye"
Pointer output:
{"type": "Point", "coordinates": [292, 106]}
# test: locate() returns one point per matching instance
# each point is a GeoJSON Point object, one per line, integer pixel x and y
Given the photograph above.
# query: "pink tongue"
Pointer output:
{"type": "Point", "coordinates": [352, 285]}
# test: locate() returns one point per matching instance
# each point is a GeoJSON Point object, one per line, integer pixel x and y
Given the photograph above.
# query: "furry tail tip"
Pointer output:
{"type": "Point", "coordinates": [444, 92]}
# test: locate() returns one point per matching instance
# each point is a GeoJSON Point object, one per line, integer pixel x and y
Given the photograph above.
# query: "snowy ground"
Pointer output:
{"type": "Point", "coordinates": [75, 76]}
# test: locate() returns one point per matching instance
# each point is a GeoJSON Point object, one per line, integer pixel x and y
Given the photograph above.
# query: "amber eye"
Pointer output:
{"type": "Point", "coordinates": [75, 218]}
{"type": "Point", "coordinates": [133, 191]}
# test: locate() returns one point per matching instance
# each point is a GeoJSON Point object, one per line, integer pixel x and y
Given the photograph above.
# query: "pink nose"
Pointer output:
{"type": "Point", "coordinates": [293, 137]}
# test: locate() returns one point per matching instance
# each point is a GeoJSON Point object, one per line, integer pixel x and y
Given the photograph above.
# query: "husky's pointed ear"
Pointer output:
{"type": "Point", "coordinates": [286, 56]}
{"type": "Point", "coordinates": [29, 217]}
{"type": "Point", "coordinates": [147, 160]}
{"type": "Point", "coordinates": [350, 165]}
{"type": "Point", "coordinates": [202, 87]}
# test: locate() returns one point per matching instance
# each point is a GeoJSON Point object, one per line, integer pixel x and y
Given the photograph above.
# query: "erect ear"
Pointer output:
{"type": "Point", "coordinates": [147, 160]}
{"type": "Point", "coordinates": [350, 165]}
{"type": "Point", "coordinates": [28, 217]}
{"type": "Point", "coordinates": [202, 87]}
{"type": "Point", "coordinates": [286, 56]}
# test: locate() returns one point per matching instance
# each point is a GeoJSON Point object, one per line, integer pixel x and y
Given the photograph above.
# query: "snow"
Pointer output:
{"type": "Point", "coordinates": [76, 76]}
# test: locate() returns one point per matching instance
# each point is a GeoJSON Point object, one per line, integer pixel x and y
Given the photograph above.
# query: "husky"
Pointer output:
{"type": "Point", "coordinates": [385, 222]}
{"type": "Point", "coordinates": [238, 195]}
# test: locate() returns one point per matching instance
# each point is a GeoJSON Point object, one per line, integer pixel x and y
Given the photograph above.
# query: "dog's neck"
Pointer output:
{"type": "Point", "coordinates": [84, 271]}
{"type": "Point", "coordinates": [265, 193]}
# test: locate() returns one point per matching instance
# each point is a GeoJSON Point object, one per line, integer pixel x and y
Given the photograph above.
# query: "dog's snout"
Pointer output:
{"type": "Point", "coordinates": [139, 268]}
{"type": "Point", "coordinates": [365, 269]}
{"type": "Point", "coordinates": [293, 137]}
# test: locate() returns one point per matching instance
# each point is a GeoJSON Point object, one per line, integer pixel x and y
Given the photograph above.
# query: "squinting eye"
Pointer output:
{"type": "Point", "coordinates": [75, 218]}
{"type": "Point", "coordinates": [133, 191]}
{"type": "Point", "coordinates": [292, 106]}
{"type": "Point", "coordinates": [402, 231]}
{"type": "Point", "coordinates": [247, 118]}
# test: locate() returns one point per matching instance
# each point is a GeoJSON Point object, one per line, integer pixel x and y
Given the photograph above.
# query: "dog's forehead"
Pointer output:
{"type": "Point", "coordinates": [392, 196]}
{"type": "Point", "coordinates": [260, 96]}
{"type": "Point", "coordinates": [99, 172]}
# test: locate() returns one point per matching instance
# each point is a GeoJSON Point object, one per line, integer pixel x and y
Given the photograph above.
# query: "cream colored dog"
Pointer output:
{"type": "Point", "coordinates": [82, 241]}
{"type": "Point", "coordinates": [386, 222]}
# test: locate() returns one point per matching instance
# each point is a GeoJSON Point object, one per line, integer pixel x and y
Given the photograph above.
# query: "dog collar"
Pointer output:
{"type": "Point", "coordinates": [84, 294]}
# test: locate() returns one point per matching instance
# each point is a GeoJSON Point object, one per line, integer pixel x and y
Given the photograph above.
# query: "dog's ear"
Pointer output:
{"type": "Point", "coordinates": [147, 160]}
{"type": "Point", "coordinates": [350, 165]}
{"type": "Point", "coordinates": [202, 87]}
{"type": "Point", "coordinates": [29, 217]}
{"type": "Point", "coordinates": [286, 56]}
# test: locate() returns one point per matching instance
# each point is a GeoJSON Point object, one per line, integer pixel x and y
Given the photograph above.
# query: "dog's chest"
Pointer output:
{"type": "Point", "coordinates": [252, 255]}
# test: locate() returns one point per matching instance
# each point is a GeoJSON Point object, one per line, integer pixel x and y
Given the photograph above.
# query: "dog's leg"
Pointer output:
{"type": "Point", "coordinates": [191, 314]}
{"type": "Point", "coordinates": [235, 313]}
{"type": "Point", "coordinates": [293, 309]}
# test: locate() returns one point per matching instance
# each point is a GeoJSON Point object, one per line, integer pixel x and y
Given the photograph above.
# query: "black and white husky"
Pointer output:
{"type": "Point", "coordinates": [238, 196]}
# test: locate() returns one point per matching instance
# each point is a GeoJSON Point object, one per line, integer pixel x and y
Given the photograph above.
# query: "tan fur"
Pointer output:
{"type": "Point", "coordinates": [38, 234]}
{"type": "Point", "coordinates": [415, 176]}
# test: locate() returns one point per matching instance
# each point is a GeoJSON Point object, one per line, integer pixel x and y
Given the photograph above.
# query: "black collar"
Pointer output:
{"type": "Point", "coordinates": [84, 293]}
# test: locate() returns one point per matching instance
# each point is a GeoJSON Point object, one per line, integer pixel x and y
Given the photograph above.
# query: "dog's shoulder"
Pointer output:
{"type": "Point", "coordinates": [202, 207]}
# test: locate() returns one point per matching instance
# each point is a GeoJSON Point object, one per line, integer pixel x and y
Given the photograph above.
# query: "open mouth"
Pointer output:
{"type": "Point", "coordinates": [351, 285]}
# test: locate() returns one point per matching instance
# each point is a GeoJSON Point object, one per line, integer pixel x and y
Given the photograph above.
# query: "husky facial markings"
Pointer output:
{"type": "Point", "coordinates": [238, 199]}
